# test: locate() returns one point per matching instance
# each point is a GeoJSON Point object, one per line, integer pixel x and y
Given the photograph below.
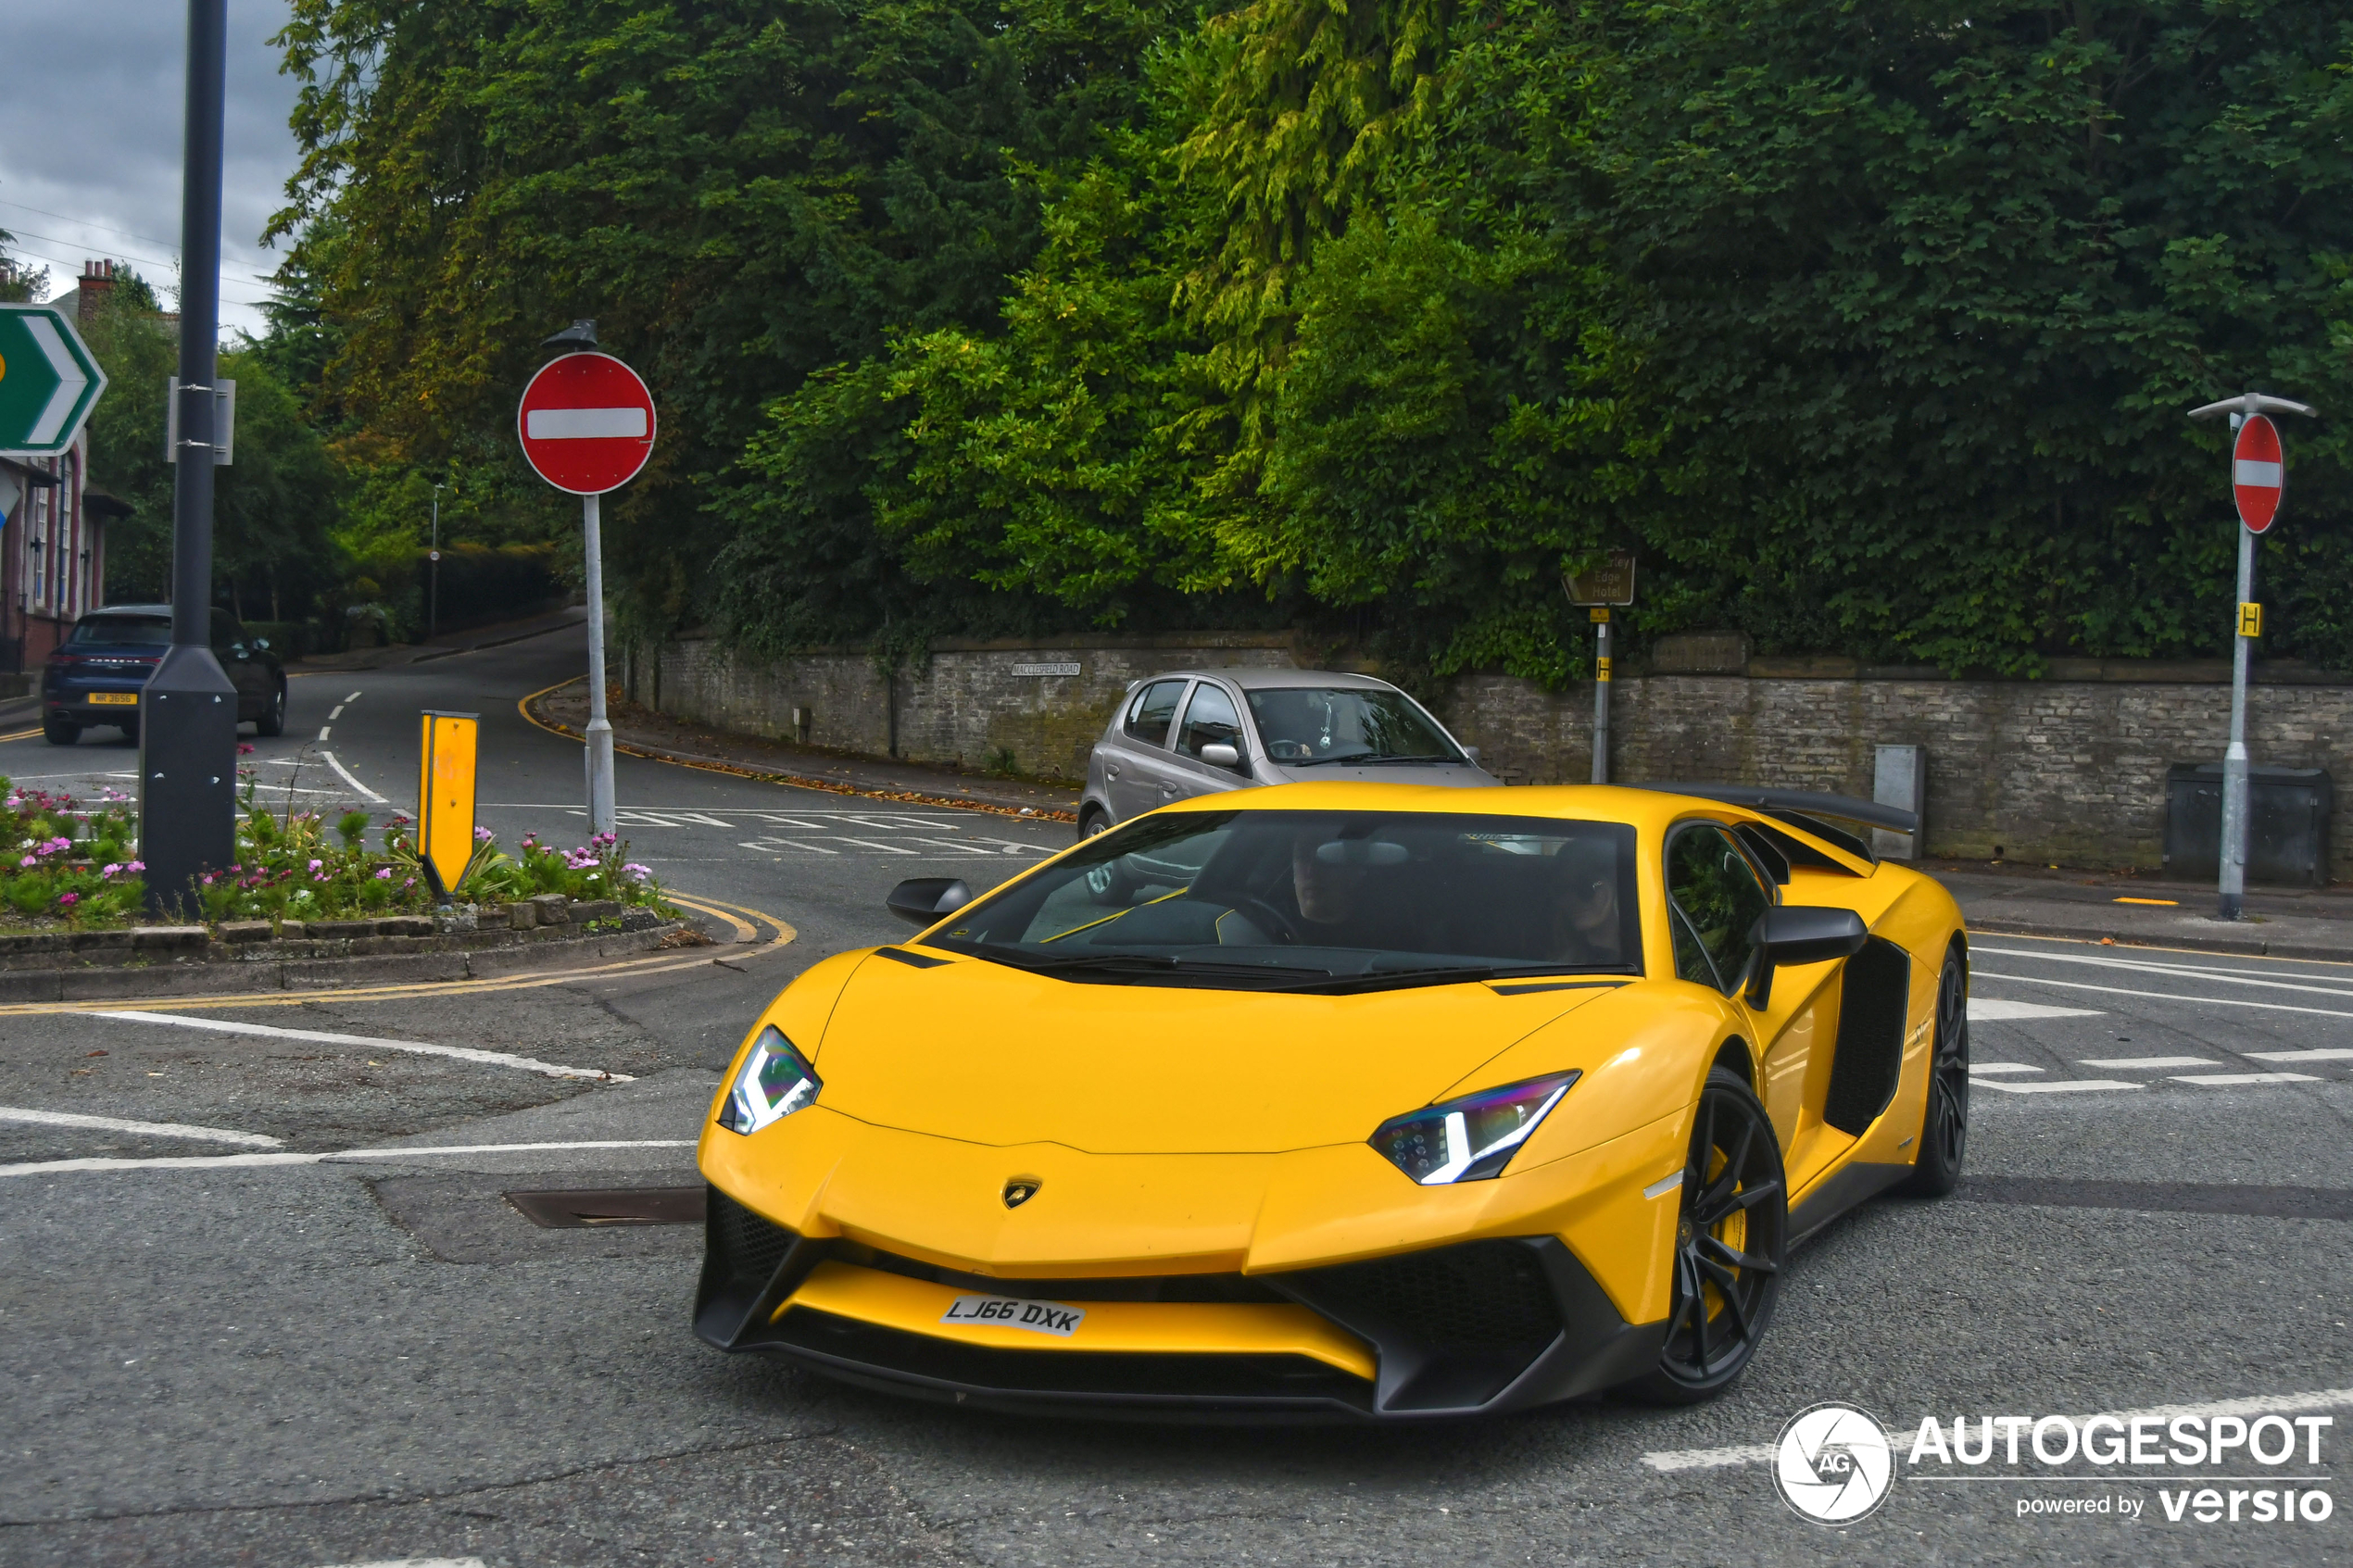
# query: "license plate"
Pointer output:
{"type": "Point", "coordinates": [117, 699]}
{"type": "Point", "coordinates": [1013, 1312]}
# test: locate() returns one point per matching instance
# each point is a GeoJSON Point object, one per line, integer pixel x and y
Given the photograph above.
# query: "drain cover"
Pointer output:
{"type": "Point", "coordinates": [596, 1207]}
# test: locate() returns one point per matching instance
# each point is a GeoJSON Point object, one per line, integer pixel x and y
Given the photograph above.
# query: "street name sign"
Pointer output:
{"type": "Point", "coordinates": [588, 423]}
{"type": "Point", "coordinates": [2258, 471]}
{"type": "Point", "coordinates": [48, 380]}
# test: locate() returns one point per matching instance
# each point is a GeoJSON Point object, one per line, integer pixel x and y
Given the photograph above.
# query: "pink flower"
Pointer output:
{"type": "Point", "coordinates": [207, 879]}
{"type": "Point", "coordinates": [410, 882]}
{"type": "Point", "coordinates": [385, 875]}
{"type": "Point", "coordinates": [141, 865]}
{"type": "Point", "coordinates": [27, 861]}
{"type": "Point", "coordinates": [481, 834]}
{"type": "Point", "coordinates": [637, 873]}
{"type": "Point", "coordinates": [76, 898]}
{"type": "Point", "coordinates": [109, 871]}
{"type": "Point", "coordinates": [315, 864]}
{"type": "Point", "coordinates": [244, 748]}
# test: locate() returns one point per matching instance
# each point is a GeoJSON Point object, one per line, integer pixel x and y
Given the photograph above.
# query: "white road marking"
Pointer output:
{"type": "Point", "coordinates": [237, 1162]}
{"type": "Point", "coordinates": [2332, 1054]}
{"type": "Point", "coordinates": [2169, 996]}
{"type": "Point", "coordinates": [334, 713]}
{"type": "Point", "coordinates": [1977, 1067]}
{"type": "Point", "coordinates": [325, 729]}
{"type": "Point", "coordinates": [415, 1562]}
{"type": "Point", "coordinates": [2259, 1404]}
{"type": "Point", "coordinates": [870, 843]}
{"type": "Point", "coordinates": [2200, 971]}
{"type": "Point", "coordinates": [370, 1042]}
{"type": "Point", "coordinates": [2134, 1063]}
{"type": "Point", "coordinates": [145, 1129]}
{"type": "Point", "coordinates": [2227, 1078]}
{"type": "Point", "coordinates": [1993, 1009]}
{"type": "Point", "coordinates": [345, 774]}
{"type": "Point", "coordinates": [765, 845]}
{"type": "Point", "coordinates": [2057, 1087]}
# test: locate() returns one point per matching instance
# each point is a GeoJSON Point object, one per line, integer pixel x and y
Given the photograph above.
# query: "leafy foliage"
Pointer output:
{"type": "Point", "coordinates": [1870, 329]}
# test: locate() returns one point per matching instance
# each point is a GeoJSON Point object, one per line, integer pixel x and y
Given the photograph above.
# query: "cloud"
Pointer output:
{"type": "Point", "coordinates": [90, 128]}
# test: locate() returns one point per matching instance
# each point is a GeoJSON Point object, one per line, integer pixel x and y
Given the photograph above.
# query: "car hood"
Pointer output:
{"type": "Point", "coordinates": [1457, 775]}
{"type": "Point", "coordinates": [989, 1054]}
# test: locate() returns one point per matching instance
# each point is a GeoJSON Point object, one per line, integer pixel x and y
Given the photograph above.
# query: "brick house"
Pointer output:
{"type": "Point", "coordinates": [53, 548]}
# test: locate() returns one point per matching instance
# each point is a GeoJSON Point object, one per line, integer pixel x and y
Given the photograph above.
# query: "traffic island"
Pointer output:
{"type": "Point", "coordinates": [467, 943]}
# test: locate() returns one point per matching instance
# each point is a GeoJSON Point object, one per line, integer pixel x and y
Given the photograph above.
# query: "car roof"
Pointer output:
{"type": "Point", "coordinates": [151, 610]}
{"type": "Point", "coordinates": [1261, 678]}
{"type": "Point", "coordinates": [1651, 810]}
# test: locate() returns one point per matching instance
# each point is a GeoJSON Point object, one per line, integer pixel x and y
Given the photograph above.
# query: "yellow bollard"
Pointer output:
{"type": "Point", "coordinates": [446, 798]}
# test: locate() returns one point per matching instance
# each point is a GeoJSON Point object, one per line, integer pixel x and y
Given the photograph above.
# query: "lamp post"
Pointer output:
{"type": "Point", "coordinates": [188, 710]}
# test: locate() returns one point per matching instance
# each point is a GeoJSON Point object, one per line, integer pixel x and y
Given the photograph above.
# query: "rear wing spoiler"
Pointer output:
{"type": "Point", "coordinates": [1803, 809]}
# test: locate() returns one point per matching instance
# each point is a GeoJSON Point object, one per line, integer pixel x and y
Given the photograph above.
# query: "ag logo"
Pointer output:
{"type": "Point", "coordinates": [1020, 1190]}
{"type": "Point", "coordinates": [1834, 1463]}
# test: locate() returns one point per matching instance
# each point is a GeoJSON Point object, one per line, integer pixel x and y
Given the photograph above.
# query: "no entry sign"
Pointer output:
{"type": "Point", "coordinates": [2258, 472]}
{"type": "Point", "coordinates": [588, 423]}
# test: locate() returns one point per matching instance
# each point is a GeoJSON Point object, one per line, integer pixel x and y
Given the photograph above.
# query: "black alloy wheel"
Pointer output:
{"type": "Point", "coordinates": [273, 717]}
{"type": "Point", "coordinates": [57, 732]}
{"type": "Point", "coordinates": [1936, 1169]}
{"type": "Point", "coordinates": [1731, 1239]}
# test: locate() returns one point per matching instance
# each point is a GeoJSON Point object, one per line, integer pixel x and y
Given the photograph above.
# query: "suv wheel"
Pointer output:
{"type": "Point", "coordinates": [57, 731]}
{"type": "Point", "coordinates": [273, 717]}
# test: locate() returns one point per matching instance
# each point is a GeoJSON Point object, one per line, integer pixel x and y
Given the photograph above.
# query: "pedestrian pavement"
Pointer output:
{"type": "Point", "coordinates": [2140, 910]}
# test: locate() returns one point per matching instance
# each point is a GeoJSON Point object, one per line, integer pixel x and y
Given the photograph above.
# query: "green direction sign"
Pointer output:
{"type": "Point", "coordinates": [48, 382]}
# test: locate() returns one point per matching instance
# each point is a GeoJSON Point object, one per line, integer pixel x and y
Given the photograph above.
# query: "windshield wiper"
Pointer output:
{"type": "Point", "coordinates": [1443, 974]}
{"type": "Point", "coordinates": [1368, 759]}
{"type": "Point", "coordinates": [1140, 964]}
{"type": "Point", "coordinates": [1431, 757]}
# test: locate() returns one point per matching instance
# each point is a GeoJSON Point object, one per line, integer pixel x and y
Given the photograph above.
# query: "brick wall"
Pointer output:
{"type": "Point", "coordinates": [2068, 769]}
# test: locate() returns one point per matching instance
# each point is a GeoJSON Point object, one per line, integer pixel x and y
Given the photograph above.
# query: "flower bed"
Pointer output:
{"type": "Point", "coordinates": [67, 864]}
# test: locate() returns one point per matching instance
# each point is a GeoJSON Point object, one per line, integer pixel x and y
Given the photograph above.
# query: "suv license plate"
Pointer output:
{"type": "Point", "coordinates": [1013, 1312]}
{"type": "Point", "coordinates": [118, 699]}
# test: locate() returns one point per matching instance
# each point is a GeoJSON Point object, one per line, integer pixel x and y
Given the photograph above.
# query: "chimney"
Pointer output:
{"type": "Point", "coordinates": [98, 280]}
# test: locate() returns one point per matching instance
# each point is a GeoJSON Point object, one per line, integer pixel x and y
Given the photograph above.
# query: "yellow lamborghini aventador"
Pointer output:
{"type": "Point", "coordinates": [1353, 1099]}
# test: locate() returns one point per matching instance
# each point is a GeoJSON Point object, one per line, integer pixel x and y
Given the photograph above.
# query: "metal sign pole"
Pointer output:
{"type": "Point", "coordinates": [1601, 697]}
{"type": "Point", "coordinates": [2257, 482]}
{"type": "Point", "coordinates": [601, 809]}
{"type": "Point", "coordinates": [2232, 901]}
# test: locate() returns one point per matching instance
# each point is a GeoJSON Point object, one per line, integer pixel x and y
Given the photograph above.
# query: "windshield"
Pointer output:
{"type": "Point", "coordinates": [1304, 726]}
{"type": "Point", "coordinates": [1321, 900]}
{"type": "Point", "coordinates": [143, 628]}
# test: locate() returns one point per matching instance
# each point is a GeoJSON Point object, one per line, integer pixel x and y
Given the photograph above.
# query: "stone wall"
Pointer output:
{"type": "Point", "coordinates": [2068, 769]}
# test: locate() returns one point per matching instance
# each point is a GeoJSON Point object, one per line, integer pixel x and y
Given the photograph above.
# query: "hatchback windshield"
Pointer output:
{"type": "Point", "coordinates": [1304, 726]}
{"type": "Point", "coordinates": [118, 629]}
{"type": "Point", "coordinates": [1321, 901]}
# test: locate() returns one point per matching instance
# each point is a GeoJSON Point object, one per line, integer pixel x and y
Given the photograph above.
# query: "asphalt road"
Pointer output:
{"type": "Point", "coordinates": [350, 1347]}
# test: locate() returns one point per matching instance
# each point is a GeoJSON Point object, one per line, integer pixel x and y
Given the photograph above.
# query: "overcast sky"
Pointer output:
{"type": "Point", "coordinates": [91, 106]}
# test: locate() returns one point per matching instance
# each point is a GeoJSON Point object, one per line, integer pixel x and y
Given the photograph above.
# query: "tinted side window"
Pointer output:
{"type": "Point", "coordinates": [1210, 720]}
{"type": "Point", "coordinates": [1154, 707]}
{"type": "Point", "coordinates": [1717, 891]}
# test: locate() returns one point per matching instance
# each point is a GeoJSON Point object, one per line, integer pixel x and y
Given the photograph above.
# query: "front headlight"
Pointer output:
{"type": "Point", "coordinates": [772, 1083]}
{"type": "Point", "coordinates": [1472, 1138]}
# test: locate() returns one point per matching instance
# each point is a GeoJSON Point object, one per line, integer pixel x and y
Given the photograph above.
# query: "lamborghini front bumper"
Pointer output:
{"type": "Point", "coordinates": [1471, 1328]}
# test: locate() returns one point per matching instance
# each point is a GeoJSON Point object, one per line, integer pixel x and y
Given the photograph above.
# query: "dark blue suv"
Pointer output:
{"type": "Point", "coordinates": [95, 676]}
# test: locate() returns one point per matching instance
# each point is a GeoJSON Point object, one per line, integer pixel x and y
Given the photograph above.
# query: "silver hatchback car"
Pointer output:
{"type": "Point", "coordinates": [1195, 732]}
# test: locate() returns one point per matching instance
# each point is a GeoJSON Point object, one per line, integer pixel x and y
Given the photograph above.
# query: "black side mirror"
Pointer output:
{"type": "Point", "coordinates": [920, 900]}
{"type": "Point", "coordinates": [1797, 933]}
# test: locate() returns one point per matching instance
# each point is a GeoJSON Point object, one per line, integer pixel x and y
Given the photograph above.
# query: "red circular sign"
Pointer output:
{"type": "Point", "coordinates": [588, 423]}
{"type": "Point", "coordinates": [2259, 472]}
